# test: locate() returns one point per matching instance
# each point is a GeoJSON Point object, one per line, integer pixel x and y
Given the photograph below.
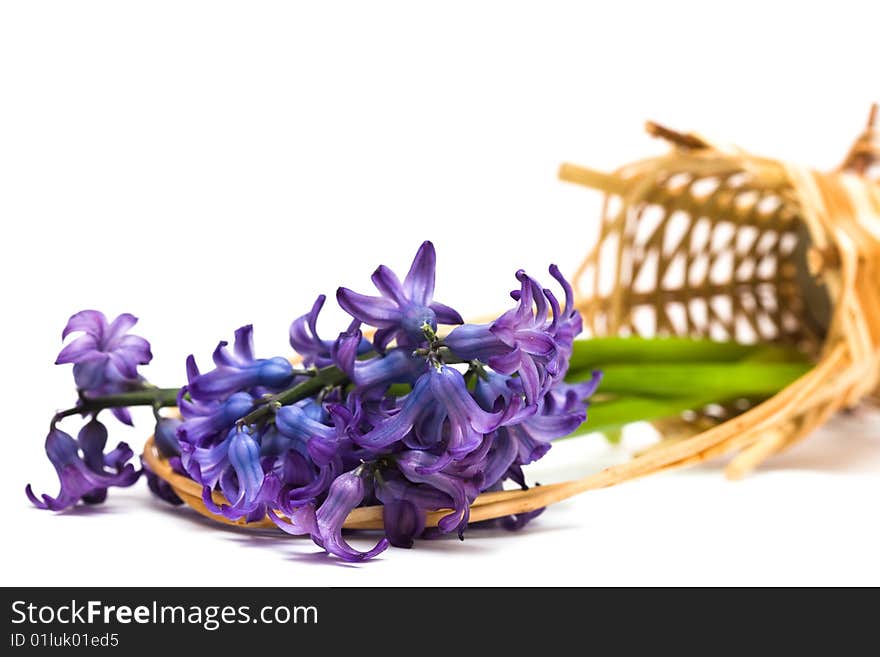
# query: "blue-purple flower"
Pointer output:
{"type": "Point", "coordinates": [84, 470]}
{"type": "Point", "coordinates": [532, 340]}
{"type": "Point", "coordinates": [403, 309]}
{"type": "Point", "coordinates": [105, 357]}
{"type": "Point", "coordinates": [408, 419]}
{"type": "Point", "coordinates": [240, 370]}
{"type": "Point", "coordinates": [320, 353]}
{"type": "Point", "coordinates": [242, 480]}
{"type": "Point", "coordinates": [346, 493]}
{"type": "Point", "coordinates": [438, 413]}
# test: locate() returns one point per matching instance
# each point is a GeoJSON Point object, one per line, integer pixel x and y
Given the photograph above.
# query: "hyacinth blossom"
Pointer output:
{"type": "Point", "coordinates": [105, 357]}
{"type": "Point", "coordinates": [394, 411]}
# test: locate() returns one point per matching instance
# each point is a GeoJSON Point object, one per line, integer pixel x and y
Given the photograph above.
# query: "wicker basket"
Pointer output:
{"type": "Point", "coordinates": [712, 241]}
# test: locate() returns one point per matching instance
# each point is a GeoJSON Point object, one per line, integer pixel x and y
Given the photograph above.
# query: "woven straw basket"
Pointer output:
{"type": "Point", "coordinates": [712, 241]}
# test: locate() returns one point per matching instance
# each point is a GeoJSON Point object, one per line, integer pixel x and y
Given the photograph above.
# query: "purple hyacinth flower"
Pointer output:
{"type": "Point", "coordinates": [420, 467]}
{"type": "Point", "coordinates": [346, 493]}
{"type": "Point", "coordinates": [105, 353]}
{"type": "Point", "coordinates": [304, 424]}
{"type": "Point", "coordinates": [105, 357]}
{"type": "Point", "coordinates": [205, 464]}
{"type": "Point", "coordinates": [204, 420]}
{"type": "Point", "coordinates": [88, 477]}
{"type": "Point", "coordinates": [240, 370]}
{"type": "Point", "coordinates": [404, 506]}
{"type": "Point", "coordinates": [439, 399]}
{"type": "Point", "coordinates": [317, 352]}
{"type": "Point", "coordinates": [243, 482]}
{"type": "Point", "coordinates": [561, 411]}
{"type": "Point", "coordinates": [404, 308]}
{"type": "Point", "coordinates": [534, 339]}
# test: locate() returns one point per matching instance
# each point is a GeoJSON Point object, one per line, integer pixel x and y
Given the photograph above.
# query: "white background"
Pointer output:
{"type": "Point", "coordinates": [204, 165]}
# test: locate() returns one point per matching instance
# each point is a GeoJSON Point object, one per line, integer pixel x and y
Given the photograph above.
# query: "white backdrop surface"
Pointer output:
{"type": "Point", "coordinates": [207, 164]}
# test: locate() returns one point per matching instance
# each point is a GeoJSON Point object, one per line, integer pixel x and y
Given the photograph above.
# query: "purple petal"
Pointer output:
{"type": "Point", "coordinates": [383, 337]}
{"type": "Point", "coordinates": [120, 326]}
{"type": "Point", "coordinates": [403, 522]}
{"type": "Point", "coordinates": [92, 439]}
{"type": "Point", "coordinates": [566, 286]}
{"type": "Point", "coordinates": [346, 348]}
{"type": "Point", "coordinates": [461, 491]}
{"type": "Point", "coordinates": [121, 368]}
{"type": "Point", "coordinates": [388, 284]}
{"type": "Point", "coordinates": [445, 314]}
{"type": "Point", "coordinates": [507, 363]}
{"type": "Point", "coordinates": [135, 348]}
{"type": "Point", "coordinates": [84, 347]}
{"type": "Point", "coordinates": [92, 322]}
{"type": "Point", "coordinates": [535, 343]}
{"type": "Point", "coordinates": [419, 281]}
{"type": "Point", "coordinates": [192, 370]}
{"type": "Point", "coordinates": [123, 415]}
{"type": "Point", "coordinates": [375, 311]}
{"type": "Point", "coordinates": [548, 427]}
{"type": "Point", "coordinates": [395, 428]}
{"type": "Point", "coordinates": [502, 455]}
{"type": "Point", "coordinates": [244, 343]}
{"type": "Point", "coordinates": [244, 456]}
{"type": "Point", "coordinates": [301, 522]}
{"type": "Point", "coordinates": [449, 385]}
{"type": "Point", "coordinates": [346, 493]}
{"type": "Point", "coordinates": [531, 379]}
{"type": "Point", "coordinates": [222, 381]}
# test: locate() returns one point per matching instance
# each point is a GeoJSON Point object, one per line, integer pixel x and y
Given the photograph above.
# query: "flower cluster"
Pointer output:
{"type": "Point", "coordinates": [105, 361]}
{"type": "Point", "coordinates": [419, 423]}
{"type": "Point", "coordinates": [405, 414]}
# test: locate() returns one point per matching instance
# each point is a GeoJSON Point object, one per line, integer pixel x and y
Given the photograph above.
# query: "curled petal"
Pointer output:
{"type": "Point", "coordinates": [301, 521]}
{"type": "Point", "coordinates": [92, 322]}
{"type": "Point", "coordinates": [346, 493]}
{"type": "Point", "coordinates": [461, 491]}
{"type": "Point", "coordinates": [244, 344]}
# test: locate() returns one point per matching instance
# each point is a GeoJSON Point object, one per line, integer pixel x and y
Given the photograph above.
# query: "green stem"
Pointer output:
{"type": "Point", "coordinates": [715, 380]}
{"type": "Point", "coordinates": [329, 376]}
{"type": "Point", "coordinates": [155, 397]}
{"type": "Point", "coordinates": [609, 415]}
